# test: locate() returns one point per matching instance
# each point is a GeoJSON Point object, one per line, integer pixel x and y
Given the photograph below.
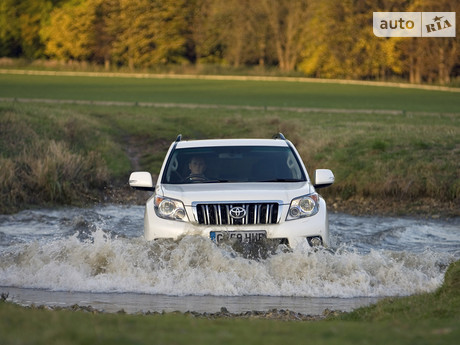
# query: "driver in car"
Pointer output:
{"type": "Point", "coordinates": [197, 167]}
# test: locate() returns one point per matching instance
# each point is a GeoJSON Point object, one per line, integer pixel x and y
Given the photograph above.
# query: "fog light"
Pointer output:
{"type": "Point", "coordinates": [315, 241]}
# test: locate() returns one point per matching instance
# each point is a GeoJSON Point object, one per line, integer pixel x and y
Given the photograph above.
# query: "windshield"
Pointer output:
{"type": "Point", "coordinates": [233, 164]}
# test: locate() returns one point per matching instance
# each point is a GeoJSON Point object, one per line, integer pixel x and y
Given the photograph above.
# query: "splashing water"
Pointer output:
{"type": "Point", "coordinates": [102, 250]}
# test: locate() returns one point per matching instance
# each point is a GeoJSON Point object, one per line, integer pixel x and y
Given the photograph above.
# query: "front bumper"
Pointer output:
{"type": "Point", "coordinates": [295, 231]}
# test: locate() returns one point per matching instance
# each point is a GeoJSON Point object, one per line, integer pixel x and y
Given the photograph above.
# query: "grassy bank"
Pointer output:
{"type": "Point", "coordinates": [388, 162]}
{"type": "Point", "coordinates": [422, 319]}
{"type": "Point", "coordinates": [58, 153]}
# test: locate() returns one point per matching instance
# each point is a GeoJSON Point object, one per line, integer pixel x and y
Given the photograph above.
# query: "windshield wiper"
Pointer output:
{"type": "Point", "coordinates": [283, 180]}
{"type": "Point", "coordinates": [215, 181]}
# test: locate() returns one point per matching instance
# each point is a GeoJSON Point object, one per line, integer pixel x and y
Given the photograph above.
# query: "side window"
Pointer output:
{"type": "Point", "coordinates": [172, 173]}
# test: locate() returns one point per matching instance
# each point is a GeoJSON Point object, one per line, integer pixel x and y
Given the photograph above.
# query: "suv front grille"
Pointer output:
{"type": "Point", "coordinates": [255, 213]}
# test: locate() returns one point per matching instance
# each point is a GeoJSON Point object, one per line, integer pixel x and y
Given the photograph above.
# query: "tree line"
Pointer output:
{"type": "Point", "coordinates": [318, 38]}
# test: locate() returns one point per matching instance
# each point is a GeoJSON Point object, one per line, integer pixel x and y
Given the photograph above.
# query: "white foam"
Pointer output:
{"type": "Point", "coordinates": [196, 266]}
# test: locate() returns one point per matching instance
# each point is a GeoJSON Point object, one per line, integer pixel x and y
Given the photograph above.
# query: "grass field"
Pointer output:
{"type": "Point", "coordinates": [422, 319]}
{"type": "Point", "coordinates": [229, 92]}
{"type": "Point", "coordinates": [61, 153]}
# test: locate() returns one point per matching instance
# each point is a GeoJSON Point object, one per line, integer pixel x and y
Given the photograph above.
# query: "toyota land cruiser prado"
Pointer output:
{"type": "Point", "coordinates": [244, 190]}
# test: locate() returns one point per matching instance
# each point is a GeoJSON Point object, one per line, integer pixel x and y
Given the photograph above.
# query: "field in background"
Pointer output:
{"type": "Point", "coordinates": [401, 162]}
{"type": "Point", "coordinates": [229, 92]}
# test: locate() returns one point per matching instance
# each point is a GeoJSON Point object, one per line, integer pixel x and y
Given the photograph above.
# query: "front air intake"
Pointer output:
{"type": "Point", "coordinates": [237, 214]}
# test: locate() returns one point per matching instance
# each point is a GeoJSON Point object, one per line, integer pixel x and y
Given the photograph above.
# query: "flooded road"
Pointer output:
{"type": "Point", "coordinates": [97, 257]}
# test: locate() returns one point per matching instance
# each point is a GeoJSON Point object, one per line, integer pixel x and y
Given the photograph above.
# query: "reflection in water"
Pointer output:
{"type": "Point", "coordinates": [134, 303]}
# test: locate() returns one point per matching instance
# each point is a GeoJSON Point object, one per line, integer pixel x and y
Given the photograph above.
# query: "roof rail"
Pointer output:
{"type": "Point", "coordinates": [279, 136]}
{"type": "Point", "coordinates": [179, 138]}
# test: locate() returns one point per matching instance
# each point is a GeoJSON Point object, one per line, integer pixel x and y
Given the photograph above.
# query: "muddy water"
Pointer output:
{"type": "Point", "coordinates": [97, 257]}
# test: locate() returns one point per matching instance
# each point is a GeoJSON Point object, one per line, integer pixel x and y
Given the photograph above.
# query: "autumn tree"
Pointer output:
{"type": "Point", "coordinates": [330, 38]}
{"type": "Point", "coordinates": [20, 23]}
{"type": "Point", "coordinates": [152, 32]}
{"type": "Point", "coordinates": [232, 28]}
{"type": "Point", "coordinates": [343, 44]}
{"type": "Point", "coordinates": [203, 38]}
{"type": "Point", "coordinates": [431, 59]}
{"type": "Point", "coordinates": [287, 21]}
{"type": "Point", "coordinates": [106, 29]}
{"type": "Point", "coordinates": [10, 33]}
{"type": "Point", "coordinates": [233, 32]}
{"type": "Point", "coordinates": [70, 33]}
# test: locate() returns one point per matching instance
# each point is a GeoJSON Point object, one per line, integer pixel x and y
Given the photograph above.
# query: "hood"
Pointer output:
{"type": "Point", "coordinates": [235, 192]}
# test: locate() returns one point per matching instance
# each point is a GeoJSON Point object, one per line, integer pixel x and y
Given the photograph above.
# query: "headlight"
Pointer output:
{"type": "Point", "coordinates": [170, 208]}
{"type": "Point", "coordinates": [304, 206]}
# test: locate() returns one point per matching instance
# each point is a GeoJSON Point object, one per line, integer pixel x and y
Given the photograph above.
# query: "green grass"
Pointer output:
{"type": "Point", "coordinates": [405, 159]}
{"type": "Point", "coordinates": [408, 161]}
{"type": "Point", "coordinates": [252, 93]}
{"type": "Point", "coordinates": [422, 319]}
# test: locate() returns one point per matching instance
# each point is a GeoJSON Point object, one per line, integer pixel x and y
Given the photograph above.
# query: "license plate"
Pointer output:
{"type": "Point", "coordinates": [240, 236]}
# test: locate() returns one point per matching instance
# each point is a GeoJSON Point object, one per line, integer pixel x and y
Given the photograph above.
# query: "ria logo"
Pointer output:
{"type": "Point", "coordinates": [414, 24]}
{"type": "Point", "coordinates": [438, 24]}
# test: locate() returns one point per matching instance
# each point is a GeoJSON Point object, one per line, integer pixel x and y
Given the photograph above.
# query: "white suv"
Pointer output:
{"type": "Point", "coordinates": [240, 190]}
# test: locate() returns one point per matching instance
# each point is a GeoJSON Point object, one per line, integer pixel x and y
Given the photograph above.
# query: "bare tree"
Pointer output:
{"type": "Point", "coordinates": [287, 22]}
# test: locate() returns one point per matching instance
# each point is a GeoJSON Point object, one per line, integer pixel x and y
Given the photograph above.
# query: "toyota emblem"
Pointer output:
{"type": "Point", "coordinates": [237, 212]}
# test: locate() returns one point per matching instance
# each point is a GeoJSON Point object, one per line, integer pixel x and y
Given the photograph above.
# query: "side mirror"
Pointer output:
{"type": "Point", "coordinates": [141, 180]}
{"type": "Point", "coordinates": [323, 178]}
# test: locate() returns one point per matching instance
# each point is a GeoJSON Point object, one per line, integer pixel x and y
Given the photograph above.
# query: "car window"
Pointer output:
{"type": "Point", "coordinates": [233, 164]}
